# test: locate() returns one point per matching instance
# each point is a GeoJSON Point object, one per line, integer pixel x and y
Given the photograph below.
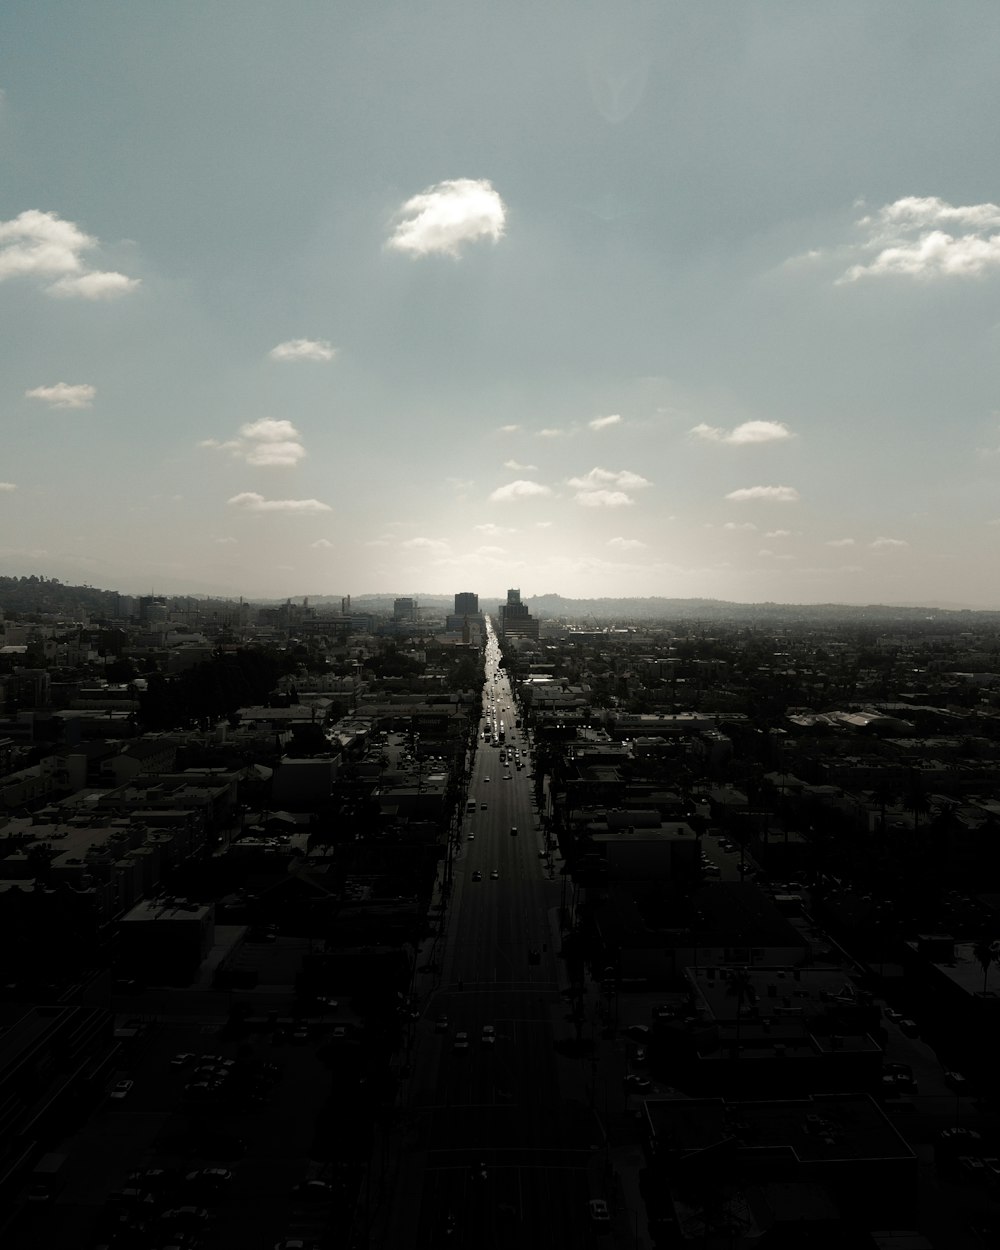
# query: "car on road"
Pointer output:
{"type": "Point", "coordinates": [441, 1024]}
{"type": "Point", "coordinates": [182, 1059]}
{"type": "Point", "coordinates": [470, 836]}
{"type": "Point", "coordinates": [482, 807]}
{"type": "Point", "coordinates": [209, 1180]}
{"type": "Point", "coordinates": [495, 874]}
{"type": "Point", "coordinates": [121, 1089]}
{"type": "Point", "coordinates": [185, 1217]}
{"type": "Point", "coordinates": [513, 831]}
{"type": "Point", "coordinates": [461, 1041]}
{"type": "Point", "coordinates": [313, 1191]}
{"type": "Point", "coordinates": [909, 1028]}
{"type": "Point", "coordinates": [477, 875]}
{"type": "Point", "coordinates": [600, 1216]}
{"type": "Point", "coordinates": [958, 1082]}
{"type": "Point", "coordinates": [892, 1014]}
{"type": "Point", "coordinates": [634, 1081]}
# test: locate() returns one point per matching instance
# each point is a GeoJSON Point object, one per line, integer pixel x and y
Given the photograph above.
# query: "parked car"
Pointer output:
{"type": "Point", "coordinates": [477, 875]}
{"type": "Point", "coordinates": [909, 1028]}
{"type": "Point", "coordinates": [461, 1041]}
{"type": "Point", "coordinates": [121, 1089]}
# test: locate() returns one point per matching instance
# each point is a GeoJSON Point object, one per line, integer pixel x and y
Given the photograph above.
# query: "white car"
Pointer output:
{"type": "Point", "coordinates": [121, 1089]}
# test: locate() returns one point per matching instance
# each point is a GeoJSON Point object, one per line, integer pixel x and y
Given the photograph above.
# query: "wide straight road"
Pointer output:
{"type": "Point", "coordinates": [500, 1138]}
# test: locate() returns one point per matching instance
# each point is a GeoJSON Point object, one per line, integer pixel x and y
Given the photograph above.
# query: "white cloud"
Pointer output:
{"type": "Point", "coordinates": [43, 245]}
{"type": "Point", "coordinates": [625, 544]}
{"type": "Point", "coordinates": [778, 534]}
{"type": "Point", "coordinates": [303, 349]}
{"type": "Point", "coordinates": [550, 431]}
{"type": "Point", "coordinates": [264, 443]}
{"type": "Point", "coordinates": [435, 545]}
{"type": "Point", "coordinates": [7, 486]}
{"type": "Point", "coordinates": [543, 525]}
{"type": "Point", "coordinates": [522, 488]}
{"type": "Point", "coordinates": [739, 525]}
{"type": "Point", "coordinates": [447, 216]}
{"type": "Point", "coordinates": [64, 394]}
{"type": "Point", "coordinates": [908, 238]}
{"type": "Point", "coordinates": [603, 499]}
{"type": "Point", "coordinates": [840, 542]}
{"type": "Point", "coordinates": [252, 502]}
{"type": "Point", "coordinates": [508, 429]}
{"type": "Point", "coordinates": [93, 286]}
{"type": "Point", "coordinates": [748, 432]}
{"type": "Point", "coordinates": [524, 468]}
{"type": "Point", "coordinates": [322, 544]}
{"type": "Point", "coordinates": [603, 423]}
{"type": "Point", "coordinates": [491, 551]}
{"type": "Point", "coordinates": [773, 494]}
{"type": "Point", "coordinates": [492, 530]}
{"type": "Point", "coordinates": [225, 542]}
{"type": "Point", "coordinates": [886, 544]}
{"type": "Point", "coordinates": [608, 477]}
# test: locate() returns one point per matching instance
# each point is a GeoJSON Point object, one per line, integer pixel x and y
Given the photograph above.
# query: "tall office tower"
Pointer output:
{"type": "Point", "coordinates": [466, 604]}
{"type": "Point", "coordinates": [515, 618]}
{"type": "Point", "coordinates": [404, 609]}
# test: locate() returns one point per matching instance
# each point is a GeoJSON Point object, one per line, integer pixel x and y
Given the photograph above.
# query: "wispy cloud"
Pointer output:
{"type": "Point", "coordinates": [250, 501]}
{"type": "Point", "coordinates": [604, 423]}
{"type": "Point", "coordinates": [609, 477]}
{"type": "Point", "coordinates": [98, 285]}
{"type": "Point", "coordinates": [625, 544]}
{"type": "Point", "coordinates": [522, 488]}
{"type": "Point", "coordinates": [926, 237]}
{"type": "Point", "coordinates": [550, 431]}
{"type": "Point", "coordinates": [888, 544]}
{"type": "Point", "coordinates": [603, 499]}
{"type": "Point", "coordinates": [778, 534]}
{"type": "Point", "coordinates": [840, 542]}
{"type": "Point", "coordinates": [492, 530]}
{"type": "Point", "coordinates": [322, 544]}
{"type": "Point", "coordinates": [64, 394]}
{"type": "Point", "coordinates": [448, 216]}
{"type": "Point", "coordinates": [508, 429]}
{"type": "Point", "coordinates": [739, 525]}
{"type": "Point", "coordinates": [44, 245]}
{"type": "Point", "coordinates": [436, 546]}
{"type": "Point", "coordinates": [227, 541]}
{"type": "Point", "coordinates": [772, 494]}
{"type": "Point", "coordinates": [263, 443]}
{"type": "Point", "coordinates": [592, 489]}
{"type": "Point", "coordinates": [741, 435]}
{"type": "Point", "coordinates": [524, 468]}
{"type": "Point", "coordinates": [303, 349]}
{"type": "Point", "coordinates": [6, 487]}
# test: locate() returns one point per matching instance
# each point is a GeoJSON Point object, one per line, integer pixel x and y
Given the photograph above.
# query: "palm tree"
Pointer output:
{"type": "Point", "coordinates": [985, 953]}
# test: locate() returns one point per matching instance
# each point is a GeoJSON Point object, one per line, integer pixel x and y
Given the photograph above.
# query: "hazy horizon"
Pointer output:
{"type": "Point", "coordinates": [641, 299]}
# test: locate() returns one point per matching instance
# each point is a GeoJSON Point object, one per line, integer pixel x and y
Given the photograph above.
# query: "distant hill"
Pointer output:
{"type": "Point", "coordinates": [49, 595]}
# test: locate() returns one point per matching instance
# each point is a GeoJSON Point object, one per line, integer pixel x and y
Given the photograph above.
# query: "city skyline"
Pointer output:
{"type": "Point", "coordinates": [599, 301]}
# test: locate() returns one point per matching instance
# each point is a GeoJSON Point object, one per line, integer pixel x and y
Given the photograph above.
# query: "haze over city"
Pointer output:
{"type": "Point", "coordinates": [596, 299]}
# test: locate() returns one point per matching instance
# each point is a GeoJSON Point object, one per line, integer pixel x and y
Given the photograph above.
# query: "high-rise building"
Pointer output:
{"type": "Point", "coordinates": [466, 604]}
{"type": "Point", "coordinates": [404, 609]}
{"type": "Point", "coordinates": [515, 619]}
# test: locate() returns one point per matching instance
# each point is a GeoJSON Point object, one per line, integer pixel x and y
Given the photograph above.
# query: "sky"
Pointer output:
{"type": "Point", "coordinates": [600, 299]}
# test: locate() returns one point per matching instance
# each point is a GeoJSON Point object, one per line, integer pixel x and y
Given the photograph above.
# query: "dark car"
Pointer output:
{"type": "Point", "coordinates": [313, 1191]}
